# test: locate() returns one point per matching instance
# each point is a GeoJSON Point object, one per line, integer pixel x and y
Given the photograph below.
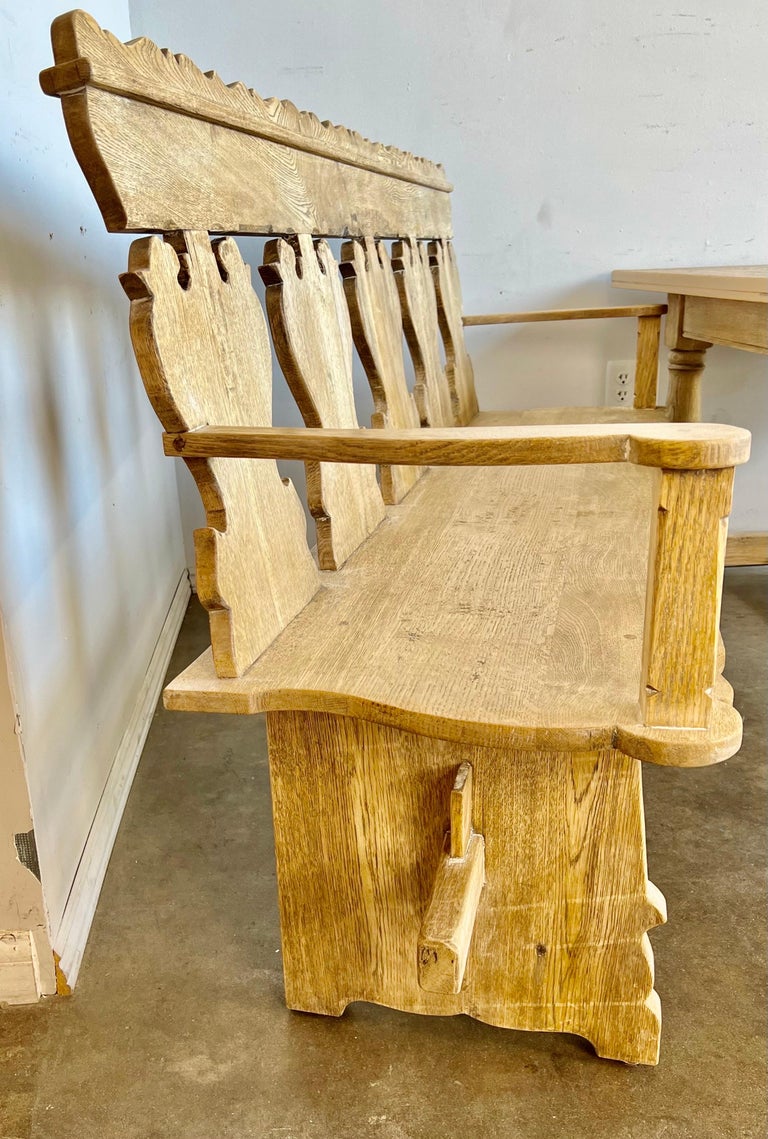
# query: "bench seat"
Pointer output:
{"type": "Point", "coordinates": [530, 417]}
{"type": "Point", "coordinates": [495, 606]}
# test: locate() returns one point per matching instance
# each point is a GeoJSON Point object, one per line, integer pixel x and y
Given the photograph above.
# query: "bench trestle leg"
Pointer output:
{"type": "Point", "coordinates": [556, 934]}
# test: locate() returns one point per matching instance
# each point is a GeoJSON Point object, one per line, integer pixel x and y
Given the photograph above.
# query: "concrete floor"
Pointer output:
{"type": "Point", "coordinates": [178, 1028]}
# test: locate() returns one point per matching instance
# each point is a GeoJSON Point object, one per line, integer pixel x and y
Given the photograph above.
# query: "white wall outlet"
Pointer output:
{"type": "Point", "coordinates": [620, 383]}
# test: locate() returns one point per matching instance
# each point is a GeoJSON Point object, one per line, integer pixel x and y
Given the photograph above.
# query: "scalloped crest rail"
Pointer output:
{"type": "Point", "coordinates": [223, 158]}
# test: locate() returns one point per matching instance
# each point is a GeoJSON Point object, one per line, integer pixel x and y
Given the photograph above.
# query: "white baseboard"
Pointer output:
{"type": "Point", "coordinates": [72, 934]}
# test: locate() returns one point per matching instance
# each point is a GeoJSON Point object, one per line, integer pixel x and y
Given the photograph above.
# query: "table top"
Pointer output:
{"type": "Point", "coordinates": [728, 282]}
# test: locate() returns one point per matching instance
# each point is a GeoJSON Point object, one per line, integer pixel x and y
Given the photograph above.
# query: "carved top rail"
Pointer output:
{"type": "Point", "coordinates": [224, 158]}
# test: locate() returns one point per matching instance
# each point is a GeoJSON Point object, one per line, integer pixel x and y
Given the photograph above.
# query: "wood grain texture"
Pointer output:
{"type": "Point", "coordinates": [537, 315]}
{"type": "Point", "coordinates": [313, 341]}
{"type": "Point", "coordinates": [684, 589]}
{"type": "Point", "coordinates": [680, 446]}
{"type": "Point", "coordinates": [685, 363]}
{"type": "Point", "coordinates": [647, 361]}
{"type": "Point", "coordinates": [458, 366]}
{"type": "Point", "coordinates": [449, 645]}
{"type": "Point", "coordinates": [542, 416]}
{"type": "Point", "coordinates": [461, 811]}
{"type": "Point", "coordinates": [377, 329]}
{"type": "Point", "coordinates": [222, 158]}
{"type": "Point", "coordinates": [200, 340]}
{"type": "Point", "coordinates": [734, 282]}
{"type": "Point", "coordinates": [446, 932]}
{"type": "Point", "coordinates": [748, 549]}
{"type": "Point", "coordinates": [735, 323]}
{"type": "Point", "coordinates": [410, 260]}
{"type": "Point", "coordinates": [560, 939]}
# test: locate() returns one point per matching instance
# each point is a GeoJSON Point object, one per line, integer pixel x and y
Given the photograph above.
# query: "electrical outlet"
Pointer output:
{"type": "Point", "coordinates": [620, 383]}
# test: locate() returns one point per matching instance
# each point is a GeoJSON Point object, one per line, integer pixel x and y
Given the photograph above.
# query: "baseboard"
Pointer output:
{"type": "Point", "coordinates": [71, 937]}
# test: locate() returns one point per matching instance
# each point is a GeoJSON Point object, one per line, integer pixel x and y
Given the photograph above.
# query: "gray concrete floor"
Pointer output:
{"type": "Point", "coordinates": [178, 1027]}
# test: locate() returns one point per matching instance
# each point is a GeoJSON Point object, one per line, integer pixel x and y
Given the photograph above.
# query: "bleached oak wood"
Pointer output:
{"type": "Point", "coordinates": [410, 260]}
{"type": "Point", "coordinates": [542, 416]}
{"type": "Point", "coordinates": [679, 446]}
{"type": "Point", "coordinates": [377, 328]}
{"type": "Point", "coordinates": [461, 811]}
{"type": "Point", "coordinates": [200, 339]}
{"type": "Point", "coordinates": [684, 590]}
{"type": "Point", "coordinates": [685, 362]}
{"type": "Point", "coordinates": [722, 305]}
{"type": "Point", "coordinates": [730, 282]}
{"type": "Point", "coordinates": [556, 665]}
{"type": "Point", "coordinates": [495, 618]}
{"type": "Point", "coordinates": [458, 366]}
{"type": "Point", "coordinates": [734, 323]}
{"type": "Point", "coordinates": [446, 933]}
{"type": "Point", "coordinates": [313, 341]}
{"type": "Point", "coordinates": [747, 549]}
{"type": "Point", "coordinates": [647, 361]}
{"type": "Point", "coordinates": [222, 158]}
{"type": "Point", "coordinates": [536, 315]}
{"type": "Point", "coordinates": [560, 940]}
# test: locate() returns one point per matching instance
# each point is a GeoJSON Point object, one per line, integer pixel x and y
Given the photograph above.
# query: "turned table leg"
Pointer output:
{"type": "Point", "coordinates": [686, 366]}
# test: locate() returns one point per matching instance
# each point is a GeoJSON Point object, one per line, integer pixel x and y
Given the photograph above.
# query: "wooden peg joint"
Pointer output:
{"type": "Point", "coordinates": [446, 931]}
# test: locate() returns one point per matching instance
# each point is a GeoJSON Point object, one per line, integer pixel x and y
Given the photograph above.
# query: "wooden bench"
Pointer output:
{"type": "Point", "coordinates": [459, 700]}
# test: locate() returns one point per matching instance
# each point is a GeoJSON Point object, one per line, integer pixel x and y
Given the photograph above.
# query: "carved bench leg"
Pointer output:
{"type": "Point", "coordinates": [558, 937]}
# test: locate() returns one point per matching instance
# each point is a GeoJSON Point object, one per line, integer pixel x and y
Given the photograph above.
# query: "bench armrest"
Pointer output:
{"type": "Point", "coordinates": [674, 446]}
{"type": "Point", "coordinates": [565, 314]}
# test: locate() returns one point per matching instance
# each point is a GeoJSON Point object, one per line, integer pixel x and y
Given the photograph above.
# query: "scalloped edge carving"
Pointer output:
{"type": "Point", "coordinates": [89, 55]}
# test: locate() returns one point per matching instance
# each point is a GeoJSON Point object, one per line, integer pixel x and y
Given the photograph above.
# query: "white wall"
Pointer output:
{"type": "Point", "coordinates": [581, 137]}
{"type": "Point", "coordinates": [89, 525]}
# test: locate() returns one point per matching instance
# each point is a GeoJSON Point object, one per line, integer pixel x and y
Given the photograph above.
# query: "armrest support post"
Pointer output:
{"type": "Point", "coordinates": [682, 615]}
{"type": "Point", "coordinates": [647, 360]}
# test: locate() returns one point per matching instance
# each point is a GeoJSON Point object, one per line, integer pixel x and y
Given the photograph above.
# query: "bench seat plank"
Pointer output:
{"type": "Point", "coordinates": [533, 416]}
{"type": "Point", "coordinates": [527, 585]}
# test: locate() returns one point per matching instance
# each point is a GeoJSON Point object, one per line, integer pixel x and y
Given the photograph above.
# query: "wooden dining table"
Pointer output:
{"type": "Point", "coordinates": [720, 305]}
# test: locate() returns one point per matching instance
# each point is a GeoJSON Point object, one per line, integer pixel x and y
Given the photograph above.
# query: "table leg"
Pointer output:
{"type": "Point", "coordinates": [686, 366]}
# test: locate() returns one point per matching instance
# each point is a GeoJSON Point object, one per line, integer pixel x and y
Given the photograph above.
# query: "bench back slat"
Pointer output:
{"type": "Point", "coordinates": [201, 342]}
{"type": "Point", "coordinates": [458, 366]}
{"type": "Point", "coordinates": [313, 341]}
{"type": "Point", "coordinates": [221, 157]}
{"type": "Point", "coordinates": [410, 259]}
{"type": "Point", "coordinates": [377, 328]}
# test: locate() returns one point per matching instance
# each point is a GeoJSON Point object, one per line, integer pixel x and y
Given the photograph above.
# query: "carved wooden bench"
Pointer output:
{"type": "Point", "coordinates": [459, 699]}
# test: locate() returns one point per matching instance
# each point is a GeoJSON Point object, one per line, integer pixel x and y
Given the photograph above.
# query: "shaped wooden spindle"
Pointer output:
{"type": "Point", "coordinates": [377, 327]}
{"type": "Point", "coordinates": [410, 260]}
{"type": "Point", "coordinates": [313, 340]}
{"type": "Point", "coordinates": [458, 366]}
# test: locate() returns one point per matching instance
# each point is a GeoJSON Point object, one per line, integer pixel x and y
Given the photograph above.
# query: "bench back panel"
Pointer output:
{"type": "Point", "coordinates": [313, 340]}
{"type": "Point", "coordinates": [377, 328]}
{"type": "Point", "coordinates": [222, 158]}
{"type": "Point", "coordinates": [201, 341]}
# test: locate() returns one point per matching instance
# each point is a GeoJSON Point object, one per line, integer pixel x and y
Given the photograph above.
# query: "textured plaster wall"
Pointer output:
{"type": "Point", "coordinates": [581, 137]}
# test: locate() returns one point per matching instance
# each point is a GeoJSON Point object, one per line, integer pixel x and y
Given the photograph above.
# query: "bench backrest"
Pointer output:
{"type": "Point", "coordinates": [223, 160]}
